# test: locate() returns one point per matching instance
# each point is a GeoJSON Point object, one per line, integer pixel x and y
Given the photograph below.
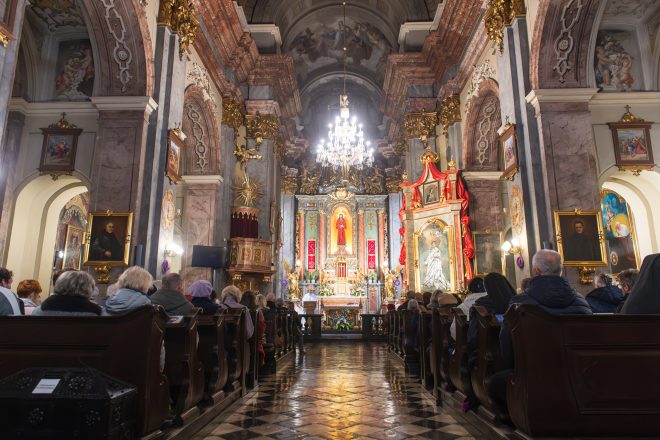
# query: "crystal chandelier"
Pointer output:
{"type": "Point", "coordinates": [345, 147]}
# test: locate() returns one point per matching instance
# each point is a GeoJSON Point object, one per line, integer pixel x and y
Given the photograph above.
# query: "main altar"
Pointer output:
{"type": "Point", "coordinates": [341, 254]}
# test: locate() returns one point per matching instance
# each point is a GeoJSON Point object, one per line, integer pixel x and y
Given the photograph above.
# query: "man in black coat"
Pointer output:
{"type": "Point", "coordinates": [548, 290]}
{"type": "Point", "coordinates": [106, 245]}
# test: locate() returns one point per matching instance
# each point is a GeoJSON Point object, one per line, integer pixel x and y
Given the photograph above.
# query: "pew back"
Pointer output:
{"type": "Point", "coordinates": [489, 358]}
{"type": "Point", "coordinates": [458, 364]}
{"type": "Point", "coordinates": [211, 329]}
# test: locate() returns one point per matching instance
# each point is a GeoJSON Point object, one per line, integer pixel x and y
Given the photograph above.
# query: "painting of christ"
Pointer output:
{"type": "Point", "coordinates": [341, 230]}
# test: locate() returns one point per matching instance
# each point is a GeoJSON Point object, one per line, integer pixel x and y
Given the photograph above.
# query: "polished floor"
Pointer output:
{"type": "Point", "coordinates": [339, 391]}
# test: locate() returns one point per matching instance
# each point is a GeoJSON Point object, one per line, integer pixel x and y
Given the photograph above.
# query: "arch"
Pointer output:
{"type": "Point", "coordinates": [125, 61]}
{"type": "Point", "coordinates": [480, 151]}
{"type": "Point", "coordinates": [561, 44]}
{"type": "Point", "coordinates": [203, 155]}
{"type": "Point", "coordinates": [31, 244]}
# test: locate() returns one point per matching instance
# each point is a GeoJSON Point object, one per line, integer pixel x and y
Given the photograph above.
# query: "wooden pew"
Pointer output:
{"type": "Point", "coordinates": [270, 344]}
{"type": "Point", "coordinates": [439, 353]}
{"type": "Point", "coordinates": [489, 359]}
{"type": "Point", "coordinates": [458, 364]}
{"type": "Point", "coordinates": [578, 375]}
{"type": "Point", "coordinates": [183, 367]}
{"type": "Point", "coordinates": [291, 331]}
{"type": "Point", "coordinates": [252, 374]}
{"type": "Point", "coordinates": [400, 330]}
{"type": "Point", "coordinates": [211, 348]}
{"type": "Point", "coordinates": [374, 327]}
{"type": "Point", "coordinates": [389, 320]}
{"type": "Point", "coordinates": [126, 347]}
{"type": "Point", "coordinates": [446, 344]}
{"type": "Point", "coordinates": [425, 337]}
{"type": "Point", "coordinates": [284, 330]}
{"type": "Point", "coordinates": [410, 346]}
{"type": "Point", "coordinates": [235, 344]}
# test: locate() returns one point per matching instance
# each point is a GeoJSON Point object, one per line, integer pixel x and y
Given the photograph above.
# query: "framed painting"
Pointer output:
{"type": "Point", "coordinates": [488, 255]}
{"type": "Point", "coordinates": [174, 149]}
{"type": "Point", "coordinates": [580, 238]}
{"type": "Point", "coordinates": [8, 10]}
{"type": "Point", "coordinates": [431, 193]}
{"type": "Point", "coordinates": [108, 238]}
{"type": "Point", "coordinates": [509, 148]}
{"type": "Point", "coordinates": [434, 257]}
{"type": "Point", "coordinates": [620, 236]}
{"type": "Point", "coordinates": [73, 247]}
{"type": "Point", "coordinates": [632, 143]}
{"type": "Point", "coordinates": [58, 152]}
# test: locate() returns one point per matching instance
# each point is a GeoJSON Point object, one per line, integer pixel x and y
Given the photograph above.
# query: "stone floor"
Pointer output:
{"type": "Point", "coordinates": [342, 390]}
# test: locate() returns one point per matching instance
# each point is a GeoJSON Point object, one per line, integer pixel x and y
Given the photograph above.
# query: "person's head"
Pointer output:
{"type": "Point", "coordinates": [578, 227]}
{"type": "Point", "coordinates": [135, 278]}
{"type": "Point", "coordinates": [58, 273]}
{"type": "Point", "coordinates": [627, 280]}
{"type": "Point", "coordinates": [499, 291]}
{"type": "Point", "coordinates": [261, 301]}
{"type": "Point", "coordinates": [476, 285]}
{"type": "Point", "coordinates": [413, 304]}
{"type": "Point", "coordinates": [279, 302]}
{"type": "Point", "coordinates": [75, 283]}
{"type": "Point", "coordinates": [173, 281]}
{"type": "Point", "coordinates": [30, 289]}
{"type": "Point", "coordinates": [524, 284]}
{"type": "Point", "coordinates": [546, 262]}
{"type": "Point", "coordinates": [270, 297]}
{"type": "Point", "coordinates": [111, 290]}
{"type": "Point", "coordinates": [6, 278]}
{"type": "Point", "coordinates": [231, 291]}
{"type": "Point", "coordinates": [200, 289]}
{"type": "Point", "coordinates": [603, 280]}
{"type": "Point", "coordinates": [341, 215]}
{"type": "Point", "coordinates": [435, 298]}
{"type": "Point", "coordinates": [426, 298]}
{"type": "Point", "coordinates": [110, 227]}
{"type": "Point", "coordinates": [249, 299]}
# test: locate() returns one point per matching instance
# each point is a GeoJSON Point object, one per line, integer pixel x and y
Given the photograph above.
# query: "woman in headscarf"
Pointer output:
{"type": "Point", "coordinates": [201, 292]}
{"type": "Point", "coordinates": [645, 295]}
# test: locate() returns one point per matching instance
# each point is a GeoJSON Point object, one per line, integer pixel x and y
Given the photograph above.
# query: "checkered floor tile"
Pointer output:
{"type": "Point", "coordinates": [338, 391]}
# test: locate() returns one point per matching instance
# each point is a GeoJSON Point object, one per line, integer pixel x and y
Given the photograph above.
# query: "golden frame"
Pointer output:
{"type": "Point", "coordinates": [636, 166]}
{"type": "Point", "coordinates": [601, 237]}
{"type": "Point", "coordinates": [328, 213]}
{"type": "Point", "coordinates": [92, 219]}
{"type": "Point", "coordinates": [509, 133]}
{"type": "Point", "coordinates": [633, 229]}
{"type": "Point", "coordinates": [173, 161]}
{"type": "Point", "coordinates": [450, 244]}
{"type": "Point", "coordinates": [69, 229]}
{"type": "Point", "coordinates": [500, 234]}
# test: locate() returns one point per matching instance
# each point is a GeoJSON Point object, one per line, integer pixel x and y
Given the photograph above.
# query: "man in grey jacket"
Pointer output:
{"type": "Point", "coordinates": [9, 302]}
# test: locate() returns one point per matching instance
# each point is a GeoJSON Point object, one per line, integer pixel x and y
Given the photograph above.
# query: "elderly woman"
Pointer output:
{"type": "Point", "coordinates": [231, 297]}
{"type": "Point", "coordinates": [71, 296]}
{"type": "Point", "coordinates": [201, 293]}
{"type": "Point", "coordinates": [29, 291]}
{"type": "Point", "coordinates": [131, 293]}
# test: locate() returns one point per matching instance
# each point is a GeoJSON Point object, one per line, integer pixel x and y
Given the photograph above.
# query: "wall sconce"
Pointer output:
{"type": "Point", "coordinates": [513, 247]}
{"type": "Point", "coordinates": [172, 249]}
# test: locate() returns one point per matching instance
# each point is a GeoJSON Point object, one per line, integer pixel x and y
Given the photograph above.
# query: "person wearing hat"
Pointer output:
{"type": "Point", "coordinates": [202, 294]}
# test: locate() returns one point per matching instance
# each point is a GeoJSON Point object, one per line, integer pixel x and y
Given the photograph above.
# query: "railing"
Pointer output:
{"type": "Point", "coordinates": [311, 327]}
{"type": "Point", "coordinates": [374, 327]}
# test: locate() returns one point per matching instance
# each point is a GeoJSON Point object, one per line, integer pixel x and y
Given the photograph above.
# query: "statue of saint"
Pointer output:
{"type": "Point", "coordinates": [341, 230]}
{"type": "Point", "coordinates": [435, 278]}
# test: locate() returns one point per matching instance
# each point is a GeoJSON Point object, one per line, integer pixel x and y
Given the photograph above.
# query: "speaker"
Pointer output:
{"type": "Point", "coordinates": [138, 255]}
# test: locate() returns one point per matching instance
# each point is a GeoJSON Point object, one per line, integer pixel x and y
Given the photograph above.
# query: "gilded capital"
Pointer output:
{"type": "Point", "coordinates": [420, 125]}
{"type": "Point", "coordinates": [289, 184]}
{"type": "Point", "coordinates": [179, 16]}
{"type": "Point", "coordinates": [450, 112]}
{"type": "Point", "coordinates": [393, 185]}
{"type": "Point", "coordinates": [231, 113]}
{"type": "Point", "coordinates": [260, 127]}
{"type": "Point", "coordinates": [501, 13]}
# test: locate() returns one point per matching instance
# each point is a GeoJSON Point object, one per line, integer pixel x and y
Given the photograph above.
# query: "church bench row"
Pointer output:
{"type": "Point", "coordinates": [574, 374]}
{"type": "Point", "coordinates": [198, 376]}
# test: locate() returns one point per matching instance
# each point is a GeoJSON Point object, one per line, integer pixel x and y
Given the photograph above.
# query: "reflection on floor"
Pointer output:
{"type": "Point", "coordinates": [339, 391]}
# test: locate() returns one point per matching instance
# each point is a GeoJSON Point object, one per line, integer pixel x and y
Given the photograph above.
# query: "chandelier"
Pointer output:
{"type": "Point", "coordinates": [345, 146]}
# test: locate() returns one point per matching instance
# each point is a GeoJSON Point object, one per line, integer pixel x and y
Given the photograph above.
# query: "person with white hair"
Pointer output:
{"type": "Point", "coordinates": [231, 297]}
{"type": "Point", "coordinates": [71, 297]}
{"type": "Point", "coordinates": [131, 293]}
{"type": "Point", "coordinates": [547, 290]}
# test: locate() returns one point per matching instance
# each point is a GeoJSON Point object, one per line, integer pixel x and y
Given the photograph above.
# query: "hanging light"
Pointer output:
{"type": "Point", "coordinates": [345, 147]}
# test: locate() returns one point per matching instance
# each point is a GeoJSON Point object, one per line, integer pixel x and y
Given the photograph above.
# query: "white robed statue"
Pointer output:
{"type": "Point", "coordinates": [435, 277]}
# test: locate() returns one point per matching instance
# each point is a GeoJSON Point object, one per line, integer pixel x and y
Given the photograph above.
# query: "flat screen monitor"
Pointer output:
{"type": "Point", "coordinates": [208, 256]}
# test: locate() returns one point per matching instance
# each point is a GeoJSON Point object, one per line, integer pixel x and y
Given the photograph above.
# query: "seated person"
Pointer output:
{"type": "Point", "coordinates": [548, 290]}
{"type": "Point", "coordinates": [645, 295]}
{"type": "Point", "coordinates": [627, 279]}
{"type": "Point", "coordinates": [411, 334]}
{"type": "Point", "coordinates": [10, 304]}
{"type": "Point", "coordinates": [202, 293]}
{"type": "Point", "coordinates": [29, 291]}
{"type": "Point", "coordinates": [606, 297]}
{"type": "Point", "coordinates": [249, 300]}
{"type": "Point", "coordinates": [231, 297]}
{"type": "Point", "coordinates": [477, 290]}
{"type": "Point", "coordinates": [131, 293]}
{"type": "Point", "coordinates": [170, 296]}
{"type": "Point", "coordinates": [71, 297]}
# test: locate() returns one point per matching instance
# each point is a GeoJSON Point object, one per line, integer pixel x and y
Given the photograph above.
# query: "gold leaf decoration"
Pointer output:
{"type": "Point", "coordinates": [247, 191]}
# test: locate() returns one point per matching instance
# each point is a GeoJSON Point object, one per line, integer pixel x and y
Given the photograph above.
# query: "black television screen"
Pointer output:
{"type": "Point", "coordinates": [208, 256]}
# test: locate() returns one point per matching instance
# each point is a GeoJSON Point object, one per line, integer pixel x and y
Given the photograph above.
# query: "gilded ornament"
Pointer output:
{"type": "Point", "coordinates": [516, 209]}
{"type": "Point", "coordinates": [420, 125]}
{"type": "Point", "coordinates": [393, 185]}
{"type": "Point", "coordinates": [260, 127]}
{"type": "Point", "coordinates": [289, 184]}
{"type": "Point", "coordinates": [179, 16]}
{"type": "Point", "coordinates": [231, 113]}
{"type": "Point", "coordinates": [247, 191]}
{"type": "Point", "coordinates": [429, 157]}
{"type": "Point", "coordinates": [63, 123]}
{"type": "Point", "coordinates": [279, 148]}
{"type": "Point", "coordinates": [450, 112]}
{"type": "Point", "coordinates": [501, 13]}
{"type": "Point", "coordinates": [629, 118]}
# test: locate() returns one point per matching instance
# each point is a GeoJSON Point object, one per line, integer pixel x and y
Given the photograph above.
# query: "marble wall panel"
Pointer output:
{"type": "Point", "coordinates": [198, 227]}
{"type": "Point", "coordinates": [485, 205]}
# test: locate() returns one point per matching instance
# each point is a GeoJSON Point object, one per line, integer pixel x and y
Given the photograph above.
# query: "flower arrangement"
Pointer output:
{"type": "Point", "coordinates": [372, 275]}
{"type": "Point", "coordinates": [325, 290]}
{"type": "Point", "coordinates": [358, 291]}
{"type": "Point", "coordinates": [341, 323]}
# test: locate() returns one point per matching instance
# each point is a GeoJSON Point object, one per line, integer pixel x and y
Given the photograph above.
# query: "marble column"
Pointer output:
{"type": "Point", "coordinates": [381, 241]}
{"type": "Point", "coordinates": [394, 224]}
{"type": "Point", "coordinates": [288, 250]}
{"type": "Point", "coordinates": [225, 198]}
{"type": "Point", "coordinates": [199, 221]}
{"type": "Point", "coordinates": [320, 251]}
{"type": "Point", "coordinates": [454, 143]}
{"type": "Point", "coordinates": [413, 165]}
{"type": "Point", "coordinates": [362, 254]}
{"type": "Point", "coordinates": [8, 158]}
{"type": "Point", "coordinates": [302, 247]}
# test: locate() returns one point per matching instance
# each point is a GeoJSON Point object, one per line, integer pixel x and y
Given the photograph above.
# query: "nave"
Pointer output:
{"type": "Point", "coordinates": [345, 390]}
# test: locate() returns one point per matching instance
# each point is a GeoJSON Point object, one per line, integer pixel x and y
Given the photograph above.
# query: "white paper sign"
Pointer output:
{"type": "Point", "coordinates": [46, 386]}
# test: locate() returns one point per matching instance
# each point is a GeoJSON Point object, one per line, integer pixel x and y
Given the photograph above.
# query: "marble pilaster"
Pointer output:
{"type": "Point", "coordinates": [225, 196]}
{"type": "Point", "coordinates": [9, 157]}
{"type": "Point", "coordinates": [287, 252]}
{"type": "Point", "coordinates": [381, 240]}
{"type": "Point", "coordinates": [362, 254]}
{"type": "Point", "coordinates": [320, 252]}
{"type": "Point", "coordinates": [394, 224]}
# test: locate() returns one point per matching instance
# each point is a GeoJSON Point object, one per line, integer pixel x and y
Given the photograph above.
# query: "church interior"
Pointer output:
{"type": "Point", "coordinates": [302, 219]}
